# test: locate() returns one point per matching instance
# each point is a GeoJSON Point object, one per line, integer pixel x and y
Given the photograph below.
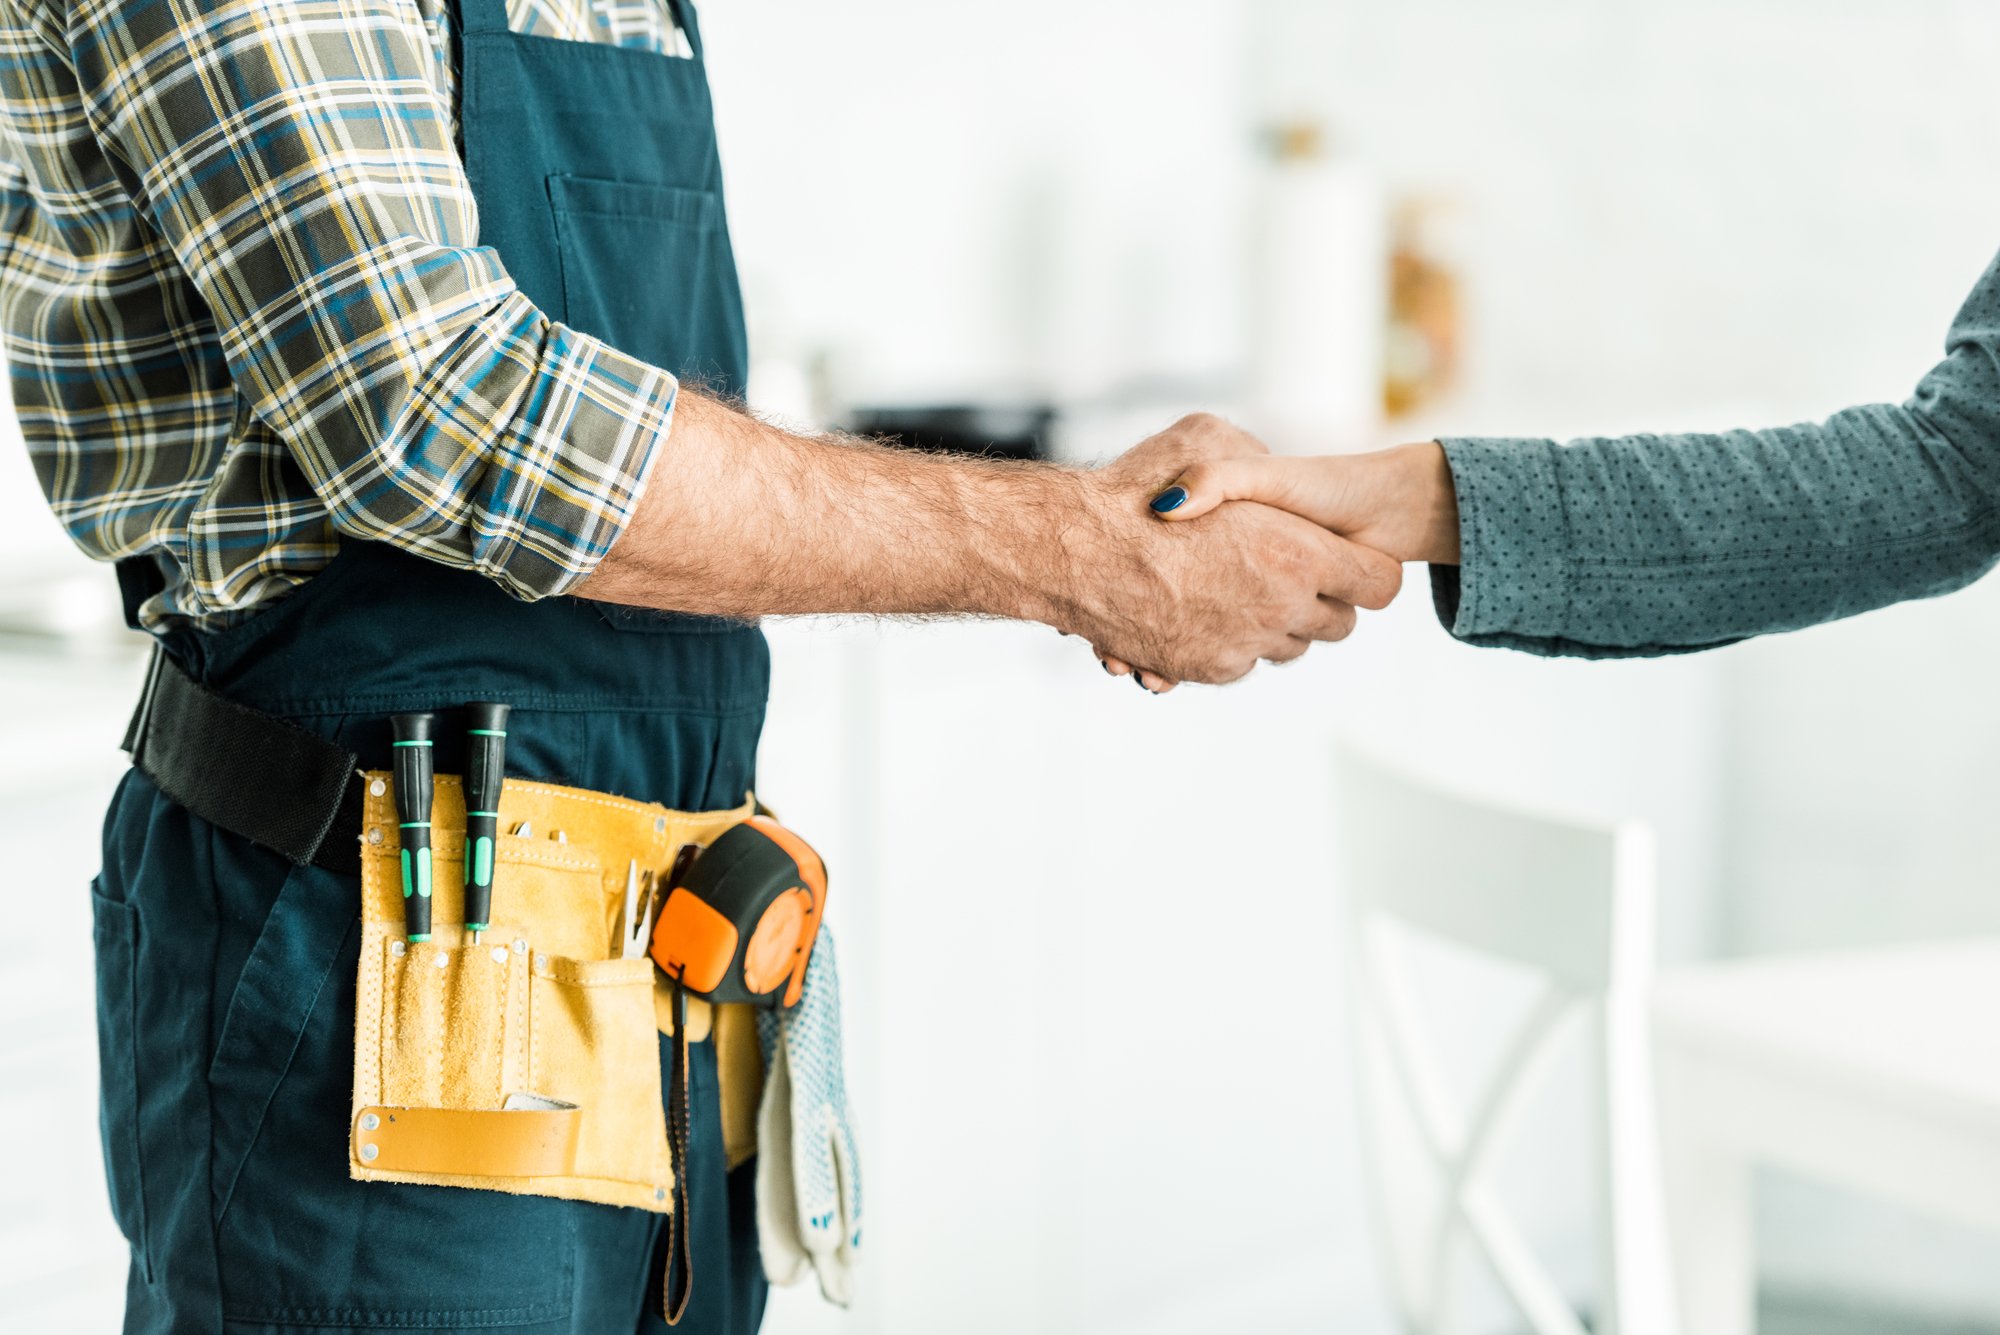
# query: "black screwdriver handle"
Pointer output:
{"type": "Point", "coordinates": [413, 816]}
{"type": "Point", "coordinates": [485, 762]}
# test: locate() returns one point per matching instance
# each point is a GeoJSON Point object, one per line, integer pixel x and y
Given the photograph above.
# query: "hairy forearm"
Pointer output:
{"type": "Point", "coordinates": [744, 519]}
{"type": "Point", "coordinates": [748, 520]}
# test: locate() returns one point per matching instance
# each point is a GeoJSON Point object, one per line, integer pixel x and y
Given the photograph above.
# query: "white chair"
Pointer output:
{"type": "Point", "coordinates": [1571, 902]}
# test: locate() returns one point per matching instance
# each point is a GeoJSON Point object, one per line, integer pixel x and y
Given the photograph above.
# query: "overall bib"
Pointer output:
{"type": "Point", "coordinates": [226, 975]}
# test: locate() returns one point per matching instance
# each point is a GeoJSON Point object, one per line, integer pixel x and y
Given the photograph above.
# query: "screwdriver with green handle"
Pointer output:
{"type": "Point", "coordinates": [485, 758]}
{"type": "Point", "coordinates": [413, 818]}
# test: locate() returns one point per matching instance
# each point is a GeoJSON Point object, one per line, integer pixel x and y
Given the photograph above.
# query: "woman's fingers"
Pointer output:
{"type": "Point", "coordinates": [1151, 681]}
{"type": "Point", "coordinates": [1298, 485]}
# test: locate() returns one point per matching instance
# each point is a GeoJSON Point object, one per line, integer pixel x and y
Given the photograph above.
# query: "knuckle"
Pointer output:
{"type": "Point", "coordinates": [1278, 605]}
{"type": "Point", "coordinates": [1381, 584]}
{"type": "Point", "coordinates": [1287, 559]}
{"type": "Point", "coordinates": [1240, 668]}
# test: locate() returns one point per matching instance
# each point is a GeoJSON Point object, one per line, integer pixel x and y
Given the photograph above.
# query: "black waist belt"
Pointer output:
{"type": "Point", "coordinates": [248, 772]}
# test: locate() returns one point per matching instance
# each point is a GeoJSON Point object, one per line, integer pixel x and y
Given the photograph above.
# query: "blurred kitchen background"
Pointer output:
{"type": "Point", "coordinates": [1074, 220]}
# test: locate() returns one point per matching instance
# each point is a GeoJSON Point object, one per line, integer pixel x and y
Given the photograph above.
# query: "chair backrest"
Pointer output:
{"type": "Point", "coordinates": [1574, 903]}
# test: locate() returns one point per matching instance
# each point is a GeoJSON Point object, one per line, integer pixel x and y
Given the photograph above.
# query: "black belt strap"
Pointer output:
{"type": "Point", "coordinates": [248, 772]}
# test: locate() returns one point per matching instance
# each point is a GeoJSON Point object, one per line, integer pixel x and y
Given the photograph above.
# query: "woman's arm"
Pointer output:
{"type": "Point", "coordinates": [1639, 545]}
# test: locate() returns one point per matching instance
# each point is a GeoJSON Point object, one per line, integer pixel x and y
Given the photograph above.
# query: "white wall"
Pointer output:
{"type": "Point", "coordinates": [1771, 206]}
{"type": "Point", "coordinates": [1041, 194]}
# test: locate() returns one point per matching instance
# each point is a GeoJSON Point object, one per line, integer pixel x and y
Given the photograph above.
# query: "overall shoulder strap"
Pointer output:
{"type": "Point", "coordinates": [482, 15]}
{"type": "Point", "coordinates": [683, 14]}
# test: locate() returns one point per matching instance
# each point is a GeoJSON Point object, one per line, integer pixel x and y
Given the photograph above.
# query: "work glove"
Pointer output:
{"type": "Point", "coordinates": [808, 1172]}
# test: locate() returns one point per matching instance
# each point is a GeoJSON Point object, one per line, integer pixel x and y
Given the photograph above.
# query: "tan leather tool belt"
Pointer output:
{"type": "Point", "coordinates": [530, 1062]}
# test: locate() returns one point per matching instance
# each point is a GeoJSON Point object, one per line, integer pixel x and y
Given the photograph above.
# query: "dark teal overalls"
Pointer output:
{"type": "Point", "coordinates": [226, 975]}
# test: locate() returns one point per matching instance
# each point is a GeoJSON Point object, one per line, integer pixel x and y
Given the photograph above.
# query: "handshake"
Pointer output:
{"type": "Point", "coordinates": [1219, 554]}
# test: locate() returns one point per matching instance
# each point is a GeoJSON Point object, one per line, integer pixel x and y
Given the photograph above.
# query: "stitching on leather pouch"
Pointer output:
{"type": "Point", "coordinates": [391, 984]}
{"type": "Point", "coordinates": [523, 993]}
{"type": "Point", "coordinates": [444, 1022]}
{"type": "Point", "coordinates": [368, 1014]}
{"type": "Point", "coordinates": [536, 1047]}
{"type": "Point", "coordinates": [681, 826]}
{"type": "Point", "coordinates": [525, 858]}
{"type": "Point", "coordinates": [616, 803]}
{"type": "Point", "coordinates": [511, 858]}
{"type": "Point", "coordinates": [500, 1010]}
{"type": "Point", "coordinates": [367, 1029]}
{"type": "Point", "coordinates": [564, 971]}
{"type": "Point", "coordinates": [627, 804]}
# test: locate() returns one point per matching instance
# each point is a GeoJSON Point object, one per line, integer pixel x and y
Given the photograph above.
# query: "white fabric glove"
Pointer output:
{"type": "Point", "coordinates": [808, 1171]}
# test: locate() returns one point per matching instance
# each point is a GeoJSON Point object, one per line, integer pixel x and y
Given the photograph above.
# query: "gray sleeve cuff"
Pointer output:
{"type": "Point", "coordinates": [1521, 583]}
{"type": "Point", "coordinates": [1513, 580]}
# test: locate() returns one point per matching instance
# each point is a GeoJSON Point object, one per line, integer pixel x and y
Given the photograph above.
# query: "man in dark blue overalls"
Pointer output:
{"type": "Point", "coordinates": [389, 348]}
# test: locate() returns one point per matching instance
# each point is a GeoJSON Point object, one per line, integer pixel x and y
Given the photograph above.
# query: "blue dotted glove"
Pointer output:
{"type": "Point", "coordinates": [808, 1171]}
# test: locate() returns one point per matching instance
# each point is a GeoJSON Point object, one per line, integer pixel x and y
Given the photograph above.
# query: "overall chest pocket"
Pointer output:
{"type": "Point", "coordinates": [648, 269]}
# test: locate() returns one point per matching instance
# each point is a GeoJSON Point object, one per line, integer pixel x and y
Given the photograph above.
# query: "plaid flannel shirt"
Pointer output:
{"type": "Point", "coordinates": [246, 312]}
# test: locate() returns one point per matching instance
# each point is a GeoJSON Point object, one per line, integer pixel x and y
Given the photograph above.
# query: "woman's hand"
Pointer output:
{"type": "Point", "coordinates": [1399, 501]}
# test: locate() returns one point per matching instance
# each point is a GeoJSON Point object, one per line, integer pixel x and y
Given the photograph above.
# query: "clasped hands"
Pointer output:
{"type": "Point", "coordinates": [1254, 556]}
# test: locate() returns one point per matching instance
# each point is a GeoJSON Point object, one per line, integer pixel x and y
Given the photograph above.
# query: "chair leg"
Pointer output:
{"type": "Point", "coordinates": [1639, 1286]}
{"type": "Point", "coordinates": [1709, 1211]}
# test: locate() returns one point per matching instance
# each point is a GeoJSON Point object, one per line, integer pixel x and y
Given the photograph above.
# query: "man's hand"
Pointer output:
{"type": "Point", "coordinates": [1245, 584]}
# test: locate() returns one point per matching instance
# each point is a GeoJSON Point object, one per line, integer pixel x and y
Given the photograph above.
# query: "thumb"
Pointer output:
{"type": "Point", "coordinates": [1271, 480]}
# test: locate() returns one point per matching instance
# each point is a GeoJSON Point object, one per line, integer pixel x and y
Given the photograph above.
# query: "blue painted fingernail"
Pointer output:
{"type": "Point", "coordinates": [1170, 499]}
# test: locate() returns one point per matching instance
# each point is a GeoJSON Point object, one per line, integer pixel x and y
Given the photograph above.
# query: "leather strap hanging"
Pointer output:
{"type": "Point", "coordinates": [678, 1233]}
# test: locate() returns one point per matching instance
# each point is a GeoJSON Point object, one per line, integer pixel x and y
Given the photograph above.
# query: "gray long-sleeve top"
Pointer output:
{"type": "Point", "coordinates": [1640, 545]}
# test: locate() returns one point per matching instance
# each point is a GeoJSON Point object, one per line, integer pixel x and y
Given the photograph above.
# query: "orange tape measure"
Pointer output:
{"type": "Point", "coordinates": [739, 923]}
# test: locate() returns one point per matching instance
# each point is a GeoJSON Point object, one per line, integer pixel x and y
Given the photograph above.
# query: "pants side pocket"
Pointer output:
{"type": "Point", "coordinates": [115, 929]}
{"type": "Point", "coordinates": [288, 968]}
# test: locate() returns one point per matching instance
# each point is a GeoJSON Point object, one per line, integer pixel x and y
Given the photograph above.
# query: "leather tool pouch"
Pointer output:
{"type": "Point", "coordinates": [531, 1062]}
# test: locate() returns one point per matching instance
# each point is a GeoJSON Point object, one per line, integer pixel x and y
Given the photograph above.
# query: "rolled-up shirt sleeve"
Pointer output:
{"type": "Point", "coordinates": [298, 158]}
{"type": "Point", "coordinates": [1658, 544]}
